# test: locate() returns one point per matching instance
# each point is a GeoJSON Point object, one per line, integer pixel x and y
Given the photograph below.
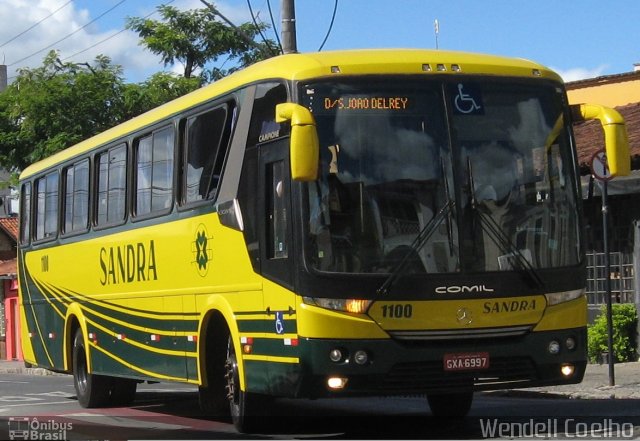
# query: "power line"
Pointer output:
{"type": "Point", "coordinates": [95, 44]}
{"type": "Point", "coordinates": [69, 35]}
{"type": "Point", "coordinates": [112, 35]}
{"type": "Point", "coordinates": [33, 26]}
{"type": "Point", "coordinates": [333, 17]}
{"type": "Point", "coordinates": [273, 23]}
{"type": "Point", "coordinates": [255, 23]}
{"type": "Point", "coordinates": [239, 31]}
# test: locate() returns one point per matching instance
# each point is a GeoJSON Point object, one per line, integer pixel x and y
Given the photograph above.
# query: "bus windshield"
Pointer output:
{"type": "Point", "coordinates": [441, 176]}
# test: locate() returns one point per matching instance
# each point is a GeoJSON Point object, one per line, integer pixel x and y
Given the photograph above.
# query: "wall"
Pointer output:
{"type": "Point", "coordinates": [613, 91]}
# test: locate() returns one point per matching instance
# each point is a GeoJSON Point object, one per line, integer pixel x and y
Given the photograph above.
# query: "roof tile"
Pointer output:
{"type": "Point", "coordinates": [590, 139]}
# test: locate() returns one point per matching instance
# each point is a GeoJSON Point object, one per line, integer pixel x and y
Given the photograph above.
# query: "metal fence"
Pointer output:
{"type": "Point", "coordinates": [622, 278]}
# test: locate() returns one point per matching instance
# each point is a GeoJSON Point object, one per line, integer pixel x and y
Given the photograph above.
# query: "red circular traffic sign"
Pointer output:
{"type": "Point", "coordinates": [599, 166]}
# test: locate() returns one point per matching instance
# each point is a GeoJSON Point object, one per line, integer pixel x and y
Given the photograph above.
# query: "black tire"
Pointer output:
{"type": "Point", "coordinates": [213, 397]}
{"type": "Point", "coordinates": [92, 390]}
{"type": "Point", "coordinates": [248, 410]}
{"type": "Point", "coordinates": [453, 405]}
{"type": "Point", "coordinates": [123, 392]}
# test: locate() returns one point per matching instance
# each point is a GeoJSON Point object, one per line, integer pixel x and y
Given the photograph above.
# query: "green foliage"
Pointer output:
{"type": "Point", "coordinates": [625, 320]}
{"type": "Point", "coordinates": [56, 105]}
{"type": "Point", "coordinates": [160, 88]}
{"type": "Point", "coordinates": [195, 38]}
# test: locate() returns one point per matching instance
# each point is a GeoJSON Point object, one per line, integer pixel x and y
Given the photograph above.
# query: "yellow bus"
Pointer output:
{"type": "Point", "coordinates": [335, 224]}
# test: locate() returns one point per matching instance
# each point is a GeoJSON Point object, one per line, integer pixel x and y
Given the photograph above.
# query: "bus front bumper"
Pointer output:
{"type": "Point", "coordinates": [394, 367]}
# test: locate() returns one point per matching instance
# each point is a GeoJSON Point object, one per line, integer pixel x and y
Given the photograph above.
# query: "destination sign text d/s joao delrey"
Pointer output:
{"type": "Point", "coordinates": [367, 103]}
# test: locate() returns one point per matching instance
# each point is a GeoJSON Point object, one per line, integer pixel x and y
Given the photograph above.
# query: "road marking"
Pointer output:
{"type": "Point", "coordinates": [125, 422]}
{"type": "Point", "coordinates": [53, 394]}
{"type": "Point", "coordinates": [39, 403]}
{"type": "Point", "coordinates": [17, 382]}
{"type": "Point", "coordinates": [15, 398]}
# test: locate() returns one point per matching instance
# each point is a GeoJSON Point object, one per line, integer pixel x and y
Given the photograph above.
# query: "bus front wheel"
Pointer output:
{"type": "Point", "coordinates": [92, 390]}
{"type": "Point", "coordinates": [247, 409]}
{"type": "Point", "coordinates": [453, 405]}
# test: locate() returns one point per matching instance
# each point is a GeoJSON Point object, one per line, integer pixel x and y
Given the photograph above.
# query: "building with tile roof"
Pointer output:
{"type": "Point", "coordinates": [9, 334]}
{"type": "Point", "coordinates": [622, 92]}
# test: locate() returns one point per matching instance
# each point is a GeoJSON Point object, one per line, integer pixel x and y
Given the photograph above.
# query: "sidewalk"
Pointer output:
{"type": "Point", "coordinates": [18, 367]}
{"type": "Point", "coordinates": [595, 384]}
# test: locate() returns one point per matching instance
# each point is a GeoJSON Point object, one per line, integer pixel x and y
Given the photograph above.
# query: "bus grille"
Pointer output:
{"type": "Point", "coordinates": [428, 376]}
{"type": "Point", "coordinates": [467, 334]}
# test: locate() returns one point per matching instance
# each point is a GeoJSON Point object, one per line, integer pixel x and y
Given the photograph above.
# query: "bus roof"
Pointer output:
{"type": "Point", "coordinates": [316, 65]}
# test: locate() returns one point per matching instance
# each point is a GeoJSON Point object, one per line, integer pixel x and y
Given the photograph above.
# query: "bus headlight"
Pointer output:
{"type": "Point", "coordinates": [356, 306]}
{"type": "Point", "coordinates": [570, 343]}
{"type": "Point", "coordinates": [554, 347]}
{"type": "Point", "coordinates": [361, 357]}
{"type": "Point", "coordinates": [335, 355]}
{"type": "Point", "coordinates": [564, 296]}
{"type": "Point", "coordinates": [567, 370]}
{"type": "Point", "coordinates": [336, 383]}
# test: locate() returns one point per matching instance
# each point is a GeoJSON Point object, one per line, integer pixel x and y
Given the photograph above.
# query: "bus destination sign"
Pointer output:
{"type": "Point", "coordinates": [367, 103]}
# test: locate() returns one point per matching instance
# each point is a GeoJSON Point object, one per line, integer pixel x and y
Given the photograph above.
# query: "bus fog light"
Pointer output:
{"type": "Point", "coordinates": [336, 382]}
{"type": "Point", "coordinates": [361, 357]}
{"type": "Point", "coordinates": [554, 347]}
{"type": "Point", "coordinates": [567, 370]}
{"type": "Point", "coordinates": [335, 355]}
{"type": "Point", "coordinates": [570, 343]}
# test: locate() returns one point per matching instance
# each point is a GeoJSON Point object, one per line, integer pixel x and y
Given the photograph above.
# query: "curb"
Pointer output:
{"type": "Point", "coordinates": [29, 371]}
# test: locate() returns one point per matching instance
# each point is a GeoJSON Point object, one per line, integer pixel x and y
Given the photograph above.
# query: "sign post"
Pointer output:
{"type": "Point", "coordinates": [600, 170]}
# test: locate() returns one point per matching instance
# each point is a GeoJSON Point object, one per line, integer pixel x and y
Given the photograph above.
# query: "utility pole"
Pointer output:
{"type": "Point", "coordinates": [3, 77]}
{"type": "Point", "coordinates": [288, 33]}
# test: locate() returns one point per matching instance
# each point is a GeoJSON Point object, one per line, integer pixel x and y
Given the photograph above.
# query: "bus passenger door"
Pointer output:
{"type": "Point", "coordinates": [276, 236]}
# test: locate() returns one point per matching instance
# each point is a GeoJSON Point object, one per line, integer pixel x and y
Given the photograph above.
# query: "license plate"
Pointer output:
{"type": "Point", "coordinates": [466, 361]}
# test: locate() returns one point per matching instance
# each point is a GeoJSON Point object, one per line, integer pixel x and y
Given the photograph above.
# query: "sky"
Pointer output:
{"type": "Point", "coordinates": [577, 38]}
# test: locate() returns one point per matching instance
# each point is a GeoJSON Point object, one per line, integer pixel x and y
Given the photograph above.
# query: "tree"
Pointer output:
{"type": "Point", "coordinates": [160, 88]}
{"type": "Point", "coordinates": [195, 38]}
{"type": "Point", "coordinates": [51, 107]}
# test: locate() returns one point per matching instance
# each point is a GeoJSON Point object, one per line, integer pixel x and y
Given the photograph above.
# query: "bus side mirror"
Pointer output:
{"type": "Point", "coordinates": [616, 140]}
{"type": "Point", "coordinates": [304, 150]}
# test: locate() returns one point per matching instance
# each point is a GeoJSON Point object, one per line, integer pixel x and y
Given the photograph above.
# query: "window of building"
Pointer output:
{"type": "Point", "coordinates": [76, 197]}
{"type": "Point", "coordinates": [112, 185]}
{"type": "Point", "coordinates": [154, 172]}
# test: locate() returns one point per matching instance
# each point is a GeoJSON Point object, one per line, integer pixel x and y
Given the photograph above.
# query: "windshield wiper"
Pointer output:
{"type": "Point", "coordinates": [499, 237]}
{"type": "Point", "coordinates": [417, 244]}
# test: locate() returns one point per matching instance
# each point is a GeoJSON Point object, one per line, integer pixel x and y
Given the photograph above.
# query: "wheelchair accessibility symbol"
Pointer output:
{"type": "Point", "coordinates": [467, 100]}
{"type": "Point", "coordinates": [279, 323]}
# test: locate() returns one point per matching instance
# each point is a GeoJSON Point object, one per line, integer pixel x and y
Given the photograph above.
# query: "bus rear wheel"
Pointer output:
{"type": "Point", "coordinates": [92, 390]}
{"type": "Point", "coordinates": [452, 405]}
{"type": "Point", "coordinates": [247, 409]}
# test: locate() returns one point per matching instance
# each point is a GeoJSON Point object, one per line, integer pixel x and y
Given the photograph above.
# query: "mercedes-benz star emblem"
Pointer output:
{"type": "Point", "coordinates": [464, 316]}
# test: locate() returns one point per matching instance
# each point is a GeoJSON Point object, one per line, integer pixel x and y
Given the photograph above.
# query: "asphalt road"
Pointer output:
{"type": "Point", "coordinates": [45, 407]}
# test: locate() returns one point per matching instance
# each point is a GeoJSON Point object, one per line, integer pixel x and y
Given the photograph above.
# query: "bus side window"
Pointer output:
{"type": "Point", "coordinates": [263, 125]}
{"type": "Point", "coordinates": [25, 213]}
{"type": "Point", "coordinates": [47, 206]}
{"type": "Point", "coordinates": [207, 142]}
{"type": "Point", "coordinates": [154, 172]}
{"type": "Point", "coordinates": [76, 197]}
{"type": "Point", "coordinates": [112, 185]}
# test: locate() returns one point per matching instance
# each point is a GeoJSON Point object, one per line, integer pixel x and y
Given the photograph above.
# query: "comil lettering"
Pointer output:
{"type": "Point", "coordinates": [128, 263]}
{"type": "Point", "coordinates": [461, 289]}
